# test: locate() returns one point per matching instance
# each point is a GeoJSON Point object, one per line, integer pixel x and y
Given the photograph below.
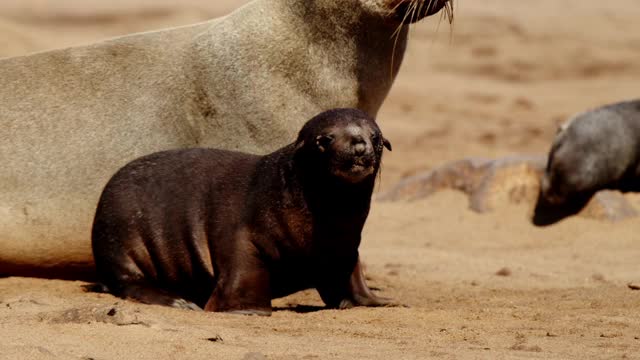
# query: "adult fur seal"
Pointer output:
{"type": "Point", "coordinates": [233, 230]}
{"type": "Point", "coordinates": [246, 81]}
{"type": "Point", "coordinates": [592, 151]}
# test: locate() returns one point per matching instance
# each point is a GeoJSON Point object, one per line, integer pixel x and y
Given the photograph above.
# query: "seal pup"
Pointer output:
{"type": "Point", "coordinates": [229, 231]}
{"type": "Point", "coordinates": [595, 150]}
{"type": "Point", "coordinates": [72, 117]}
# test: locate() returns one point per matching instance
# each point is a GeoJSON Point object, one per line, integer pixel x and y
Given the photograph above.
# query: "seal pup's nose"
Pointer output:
{"type": "Point", "coordinates": [359, 146]}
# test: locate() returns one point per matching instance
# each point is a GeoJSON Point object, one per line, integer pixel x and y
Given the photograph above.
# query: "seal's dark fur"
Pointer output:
{"type": "Point", "coordinates": [230, 231]}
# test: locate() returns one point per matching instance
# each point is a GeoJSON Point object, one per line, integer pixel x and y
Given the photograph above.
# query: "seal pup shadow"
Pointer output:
{"type": "Point", "coordinates": [229, 231]}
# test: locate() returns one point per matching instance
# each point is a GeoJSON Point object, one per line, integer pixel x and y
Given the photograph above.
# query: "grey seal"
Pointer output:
{"type": "Point", "coordinates": [595, 150]}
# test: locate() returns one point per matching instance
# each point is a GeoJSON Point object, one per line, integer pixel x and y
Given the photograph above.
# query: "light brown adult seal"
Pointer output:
{"type": "Point", "coordinates": [245, 81]}
{"type": "Point", "coordinates": [230, 230]}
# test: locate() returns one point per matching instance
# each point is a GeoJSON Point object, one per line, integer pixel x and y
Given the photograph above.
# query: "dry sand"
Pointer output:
{"type": "Point", "coordinates": [497, 84]}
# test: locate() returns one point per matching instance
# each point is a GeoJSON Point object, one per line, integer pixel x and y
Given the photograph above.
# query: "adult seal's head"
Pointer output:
{"type": "Point", "coordinates": [410, 11]}
{"type": "Point", "coordinates": [595, 150]}
{"type": "Point", "coordinates": [229, 231]}
{"type": "Point", "coordinates": [395, 11]}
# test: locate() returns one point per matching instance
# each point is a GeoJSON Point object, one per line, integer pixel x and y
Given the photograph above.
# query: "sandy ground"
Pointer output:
{"type": "Point", "coordinates": [497, 84]}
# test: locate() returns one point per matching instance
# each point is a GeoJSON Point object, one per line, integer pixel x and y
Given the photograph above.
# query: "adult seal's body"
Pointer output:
{"type": "Point", "coordinates": [595, 150]}
{"type": "Point", "coordinates": [230, 231]}
{"type": "Point", "coordinates": [246, 81]}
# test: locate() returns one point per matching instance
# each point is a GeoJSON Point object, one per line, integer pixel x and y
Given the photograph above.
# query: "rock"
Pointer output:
{"type": "Point", "coordinates": [609, 205]}
{"type": "Point", "coordinates": [463, 175]}
{"type": "Point", "coordinates": [87, 315]}
{"type": "Point", "coordinates": [522, 347]}
{"type": "Point", "coordinates": [216, 338]}
{"type": "Point", "coordinates": [510, 180]}
{"type": "Point", "coordinates": [634, 286]}
{"type": "Point", "coordinates": [505, 271]}
{"type": "Point", "coordinates": [487, 182]}
{"type": "Point", "coordinates": [254, 356]}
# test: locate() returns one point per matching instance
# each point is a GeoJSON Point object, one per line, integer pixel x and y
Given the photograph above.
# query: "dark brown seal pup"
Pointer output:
{"type": "Point", "coordinates": [595, 150]}
{"type": "Point", "coordinates": [229, 231]}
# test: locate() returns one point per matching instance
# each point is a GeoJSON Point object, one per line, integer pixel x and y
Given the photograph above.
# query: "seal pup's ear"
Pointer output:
{"type": "Point", "coordinates": [386, 143]}
{"type": "Point", "coordinates": [323, 142]}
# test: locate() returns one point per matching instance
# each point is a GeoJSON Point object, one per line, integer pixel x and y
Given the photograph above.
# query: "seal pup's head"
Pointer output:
{"type": "Point", "coordinates": [345, 143]}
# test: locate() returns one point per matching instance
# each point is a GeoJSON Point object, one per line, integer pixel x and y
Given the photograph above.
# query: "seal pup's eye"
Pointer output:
{"type": "Point", "coordinates": [323, 142]}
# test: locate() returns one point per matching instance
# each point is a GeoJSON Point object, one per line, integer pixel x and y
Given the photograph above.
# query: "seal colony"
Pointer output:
{"type": "Point", "coordinates": [246, 81]}
{"type": "Point", "coordinates": [229, 231]}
